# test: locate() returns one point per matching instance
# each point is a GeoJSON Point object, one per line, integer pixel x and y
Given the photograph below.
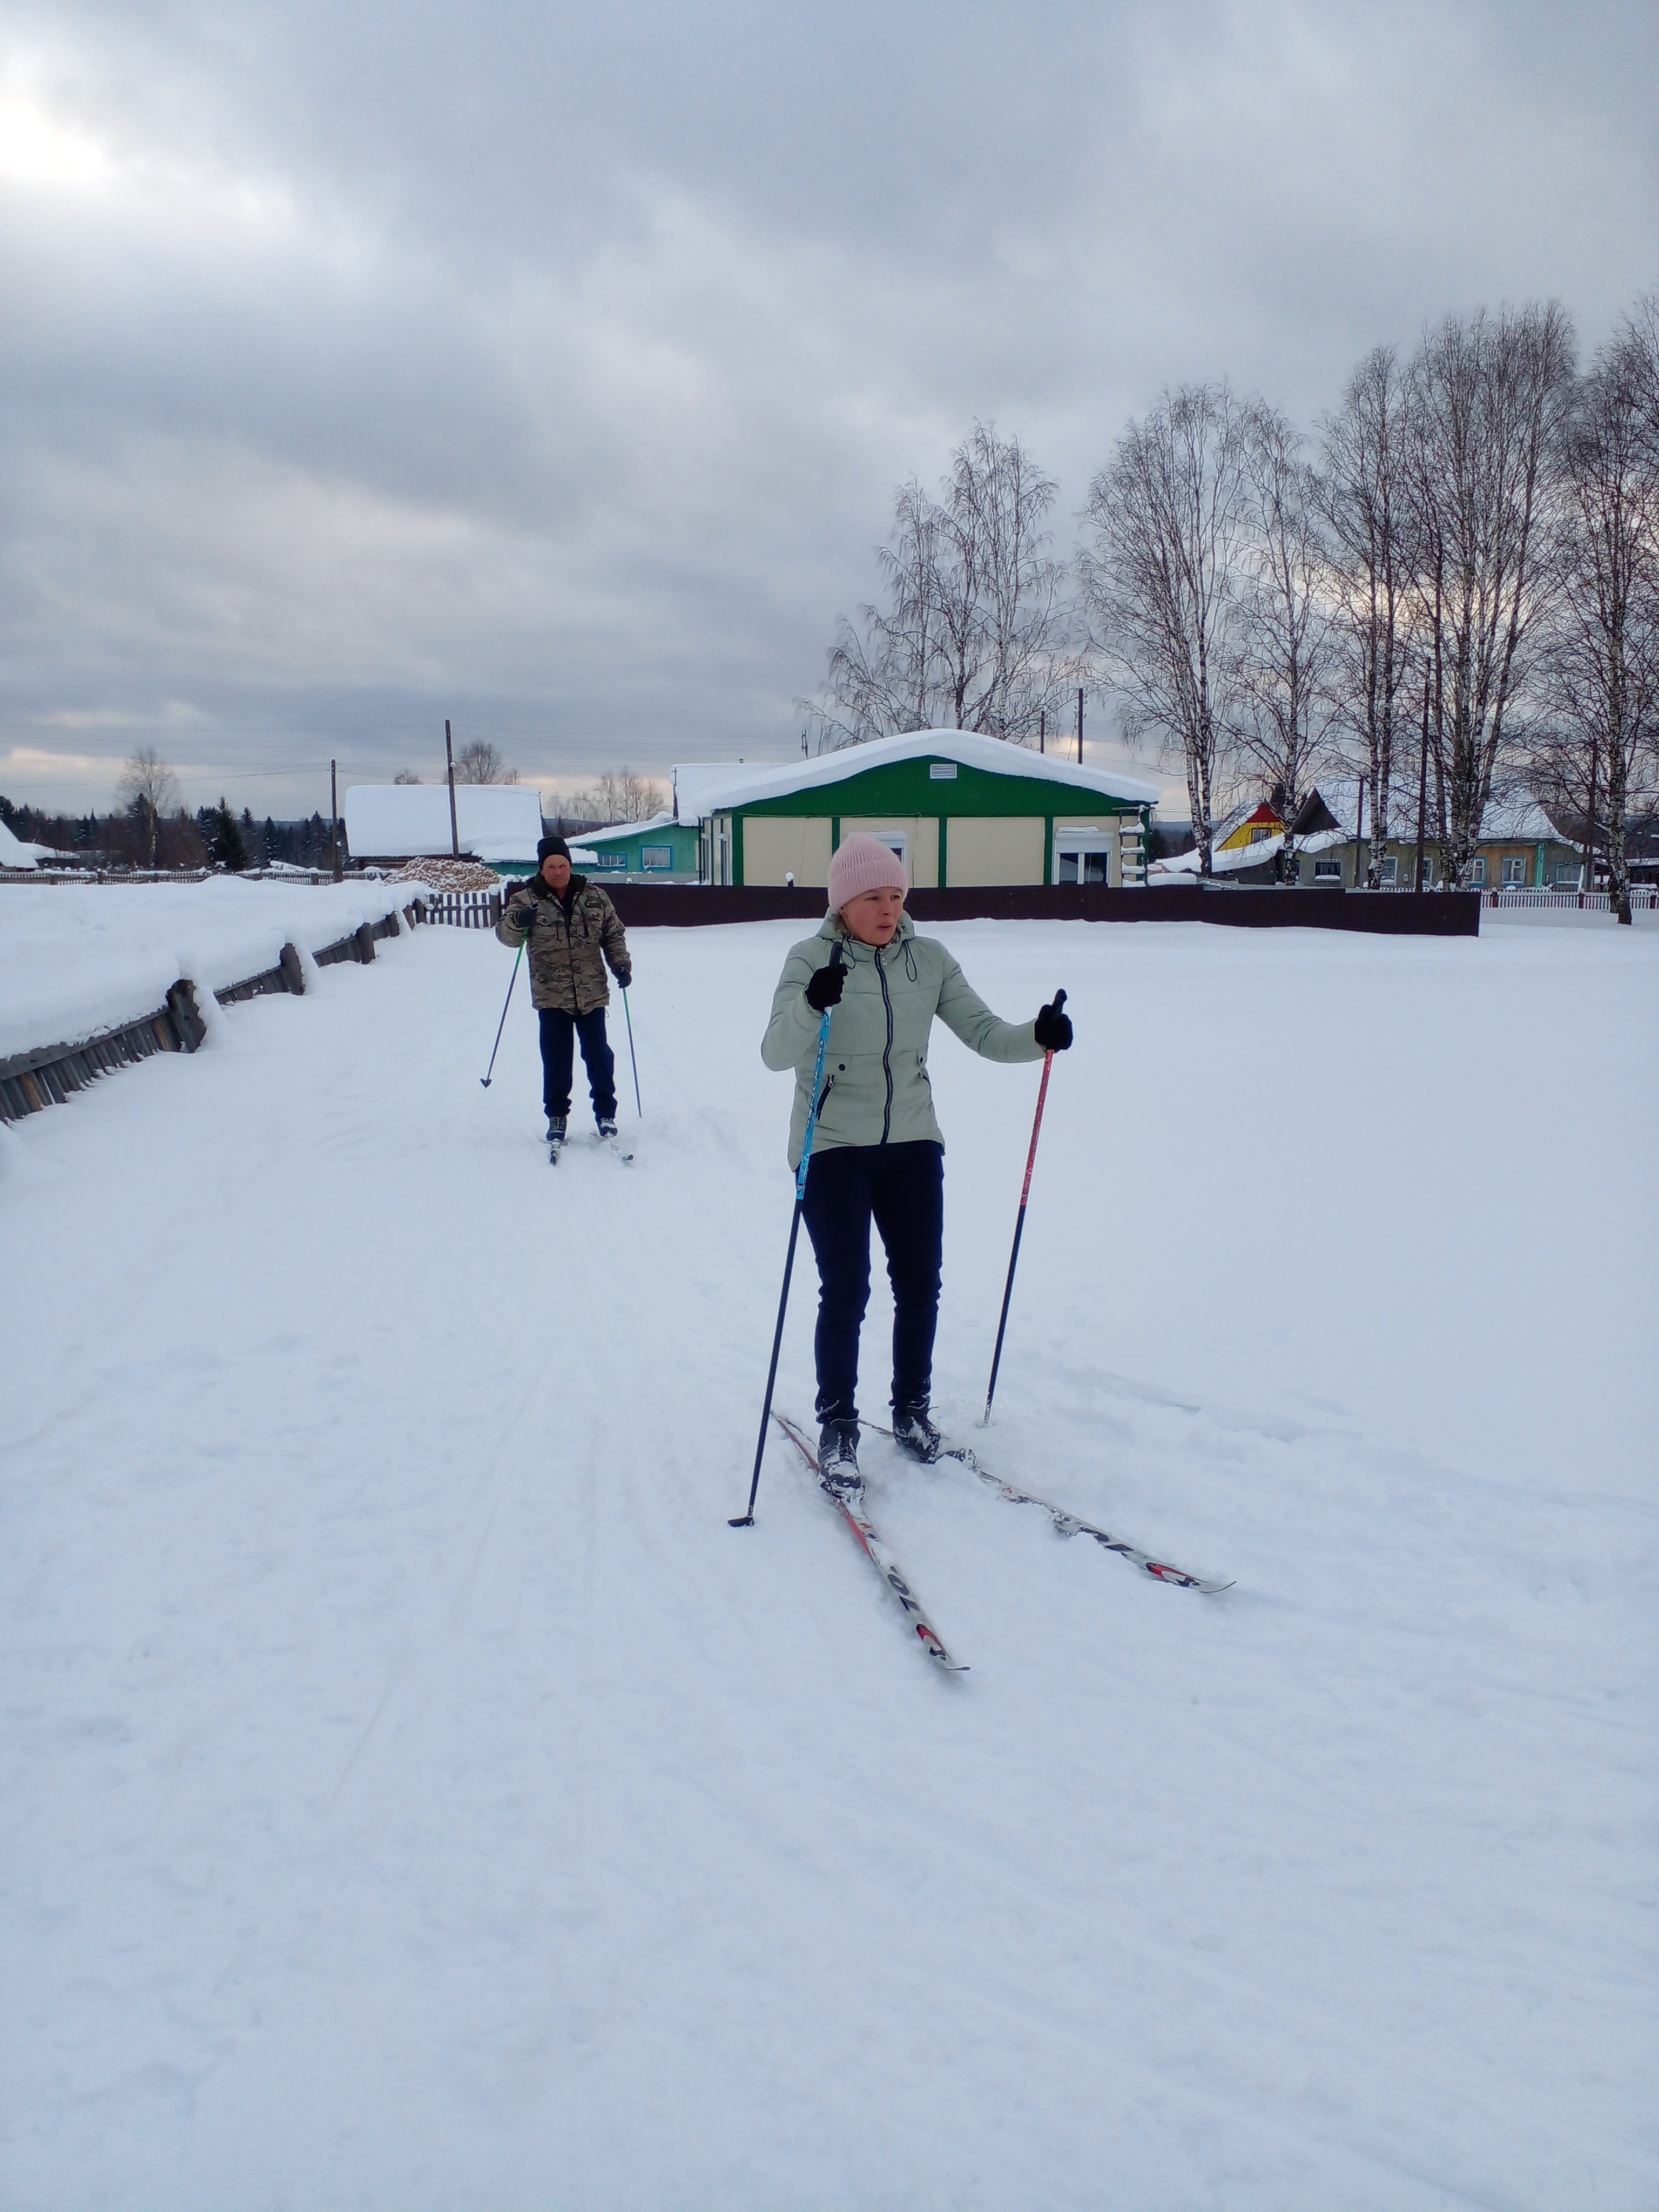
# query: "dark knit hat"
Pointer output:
{"type": "Point", "coordinates": [550, 846]}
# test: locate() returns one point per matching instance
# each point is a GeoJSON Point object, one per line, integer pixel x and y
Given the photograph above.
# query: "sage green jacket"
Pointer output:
{"type": "Point", "coordinates": [877, 1090]}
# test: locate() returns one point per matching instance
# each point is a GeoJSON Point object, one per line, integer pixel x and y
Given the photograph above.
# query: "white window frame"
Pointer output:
{"type": "Point", "coordinates": [1515, 872]}
{"type": "Point", "coordinates": [1073, 844]}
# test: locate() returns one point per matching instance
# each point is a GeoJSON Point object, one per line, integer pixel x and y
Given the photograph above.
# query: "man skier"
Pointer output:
{"type": "Point", "coordinates": [567, 924]}
{"type": "Point", "coordinates": [878, 1151]}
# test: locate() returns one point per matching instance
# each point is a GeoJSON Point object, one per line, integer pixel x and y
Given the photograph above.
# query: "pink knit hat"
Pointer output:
{"type": "Point", "coordinates": [863, 863]}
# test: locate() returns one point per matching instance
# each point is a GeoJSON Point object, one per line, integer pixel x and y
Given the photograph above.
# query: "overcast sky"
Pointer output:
{"type": "Point", "coordinates": [551, 368]}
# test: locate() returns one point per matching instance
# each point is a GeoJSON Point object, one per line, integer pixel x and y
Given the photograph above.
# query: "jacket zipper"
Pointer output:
{"type": "Point", "coordinates": [887, 1053]}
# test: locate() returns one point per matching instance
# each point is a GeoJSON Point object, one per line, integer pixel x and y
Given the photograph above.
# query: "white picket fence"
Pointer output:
{"type": "Point", "coordinates": [1643, 899]}
{"type": "Point", "coordinates": [464, 910]}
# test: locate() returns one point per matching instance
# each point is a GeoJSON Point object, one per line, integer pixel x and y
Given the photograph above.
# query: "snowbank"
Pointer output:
{"type": "Point", "coordinates": [78, 957]}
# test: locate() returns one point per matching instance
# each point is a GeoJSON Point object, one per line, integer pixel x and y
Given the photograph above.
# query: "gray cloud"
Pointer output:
{"type": "Point", "coordinates": [551, 368]}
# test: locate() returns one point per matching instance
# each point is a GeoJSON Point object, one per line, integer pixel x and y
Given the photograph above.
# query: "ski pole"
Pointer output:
{"type": "Point", "coordinates": [1019, 1221]}
{"type": "Point", "coordinates": [628, 1018]}
{"type": "Point", "coordinates": [746, 1520]}
{"type": "Point", "coordinates": [501, 1025]}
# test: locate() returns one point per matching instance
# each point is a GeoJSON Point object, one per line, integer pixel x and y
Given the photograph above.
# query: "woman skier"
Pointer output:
{"type": "Point", "coordinates": [878, 1151]}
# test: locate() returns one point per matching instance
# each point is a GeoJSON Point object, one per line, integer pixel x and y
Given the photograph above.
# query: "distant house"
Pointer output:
{"type": "Point", "coordinates": [1520, 847]}
{"type": "Point", "coordinates": [499, 824]}
{"type": "Point", "coordinates": [14, 852]}
{"type": "Point", "coordinates": [957, 808]}
{"type": "Point", "coordinates": [660, 851]}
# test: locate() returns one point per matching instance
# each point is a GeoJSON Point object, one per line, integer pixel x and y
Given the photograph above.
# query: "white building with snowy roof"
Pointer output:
{"type": "Point", "coordinates": [389, 822]}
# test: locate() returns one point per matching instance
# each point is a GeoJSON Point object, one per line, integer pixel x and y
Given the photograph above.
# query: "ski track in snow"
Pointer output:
{"type": "Point", "coordinates": [414, 1795]}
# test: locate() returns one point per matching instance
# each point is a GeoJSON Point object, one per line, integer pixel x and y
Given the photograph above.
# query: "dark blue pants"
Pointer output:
{"type": "Point", "coordinates": [902, 1189]}
{"type": "Point", "coordinates": [559, 1029]}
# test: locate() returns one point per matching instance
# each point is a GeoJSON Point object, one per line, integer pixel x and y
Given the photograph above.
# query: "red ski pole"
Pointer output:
{"type": "Point", "coordinates": [1019, 1220]}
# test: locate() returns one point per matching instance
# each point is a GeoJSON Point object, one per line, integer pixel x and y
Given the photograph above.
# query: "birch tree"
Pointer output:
{"type": "Point", "coordinates": [148, 790]}
{"type": "Point", "coordinates": [1287, 708]}
{"type": "Point", "coordinates": [976, 631]}
{"type": "Point", "coordinates": [1487, 405]}
{"type": "Point", "coordinates": [1170, 518]}
{"type": "Point", "coordinates": [1602, 662]}
{"type": "Point", "coordinates": [1362, 494]}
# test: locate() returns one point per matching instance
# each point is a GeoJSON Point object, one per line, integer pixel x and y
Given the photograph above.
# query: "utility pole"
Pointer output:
{"type": "Point", "coordinates": [449, 759]}
{"type": "Point", "coordinates": [1423, 783]}
{"type": "Point", "coordinates": [1043, 730]}
{"type": "Point", "coordinates": [1080, 725]}
{"type": "Point", "coordinates": [334, 816]}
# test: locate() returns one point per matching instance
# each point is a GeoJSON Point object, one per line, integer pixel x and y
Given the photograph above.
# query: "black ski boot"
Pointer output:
{"type": "Point", "coordinates": [838, 1454]}
{"type": "Point", "coordinates": [556, 1126]}
{"type": "Point", "coordinates": [607, 1124]}
{"type": "Point", "coordinates": [914, 1430]}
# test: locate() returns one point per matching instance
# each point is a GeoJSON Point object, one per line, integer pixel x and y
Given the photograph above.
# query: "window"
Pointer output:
{"type": "Point", "coordinates": [1081, 868]}
{"type": "Point", "coordinates": [1259, 834]}
{"type": "Point", "coordinates": [1477, 872]}
{"type": "Point", "coordinates": [1391, 868]}
{"type": "Point", "coordinates": [611, 859]}
{"type": "Point", "coordinates": [656, 856]}
{"type": "Point", "coordinates": [1515, 872]}
{"type": "Point", "coordinates": [896, 840]}
{"type": "Point", "coordinates": [1568, 874]}
{"type": "Point", "coordinates": [1327, 871]}
{"type": "Point", "coordinates": [942, 771]}
{"type": "Point", "coordinates": [1080, 855]}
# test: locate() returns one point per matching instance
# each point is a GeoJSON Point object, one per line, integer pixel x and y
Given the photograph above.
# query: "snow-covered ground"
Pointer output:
{"type": "Point", "coordinates": [415, 1795]}
{"type": "Point", "coordinates": [76, 958]}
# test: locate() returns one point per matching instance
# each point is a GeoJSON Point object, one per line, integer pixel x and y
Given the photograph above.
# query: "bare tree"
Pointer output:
{"type": "Point", "coordinates": [1285, 707]}
{"type": "Point", "coordinates": [1601, 660]}
{"type": "Point", "coordinates": [977, 630]}
{"type": "Point", "coordinates": [480, 762]}
{"type": "Point", "coordinates": [616, 796]}
{"type": "Point", "coordinates": [148, 790]}
{"type": "Point", "coordinates": [1170, 514]}
{"type": "Point", "coordinates": [1363, 495]}
{"type": "Point", "coordinates": [405, 775]}
{"type": "Point", "coordinates": [1488, 399]}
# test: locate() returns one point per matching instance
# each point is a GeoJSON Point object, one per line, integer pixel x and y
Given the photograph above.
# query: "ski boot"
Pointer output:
{"type": "Point", "coordinates": [838, 1456]}
{"type": "Point", "coordinates": [556, 1126]}
{"type": "Point", "coordinates": [915, 1433]}
{"type": "Point", "coordinates": [607, 1124]}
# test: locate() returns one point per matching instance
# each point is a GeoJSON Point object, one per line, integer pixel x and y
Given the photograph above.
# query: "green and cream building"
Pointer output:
{"type": "Point", "coordinates": [960, 810]}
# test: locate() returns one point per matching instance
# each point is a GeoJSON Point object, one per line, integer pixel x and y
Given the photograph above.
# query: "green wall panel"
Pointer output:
{"type": "Point", "coordinates": [905, 788]}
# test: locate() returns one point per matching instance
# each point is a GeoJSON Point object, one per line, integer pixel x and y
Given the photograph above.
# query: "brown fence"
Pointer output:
{"type": "Point", "coordinates": [1436, 914]}
{"type": "Point", "coordinates": [31, 1081]}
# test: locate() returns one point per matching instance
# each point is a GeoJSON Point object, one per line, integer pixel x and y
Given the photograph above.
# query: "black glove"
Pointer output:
{"type": "Point", "coordinates": [826, 987]}
{"type": "Point", "coordinates": [624, 977]}
{"type": "Point", "coordinates": [1054, 1029]}
{"type": "Point", "coordinates": [523, 915]}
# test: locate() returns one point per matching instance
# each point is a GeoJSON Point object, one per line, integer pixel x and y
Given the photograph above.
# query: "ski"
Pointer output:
{"type": "Point", "coordinates": [619, 1149]}
{"type": "Point", "coordinates": [1068, 1524]}
{"type": "Point", "coordinates": [849, 1498]}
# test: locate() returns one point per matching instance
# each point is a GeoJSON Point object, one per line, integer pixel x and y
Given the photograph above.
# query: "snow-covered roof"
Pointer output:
{"type": "Point", "coordinates": [14, 852]}
{"type": "Point", "coordinates": [704, 787]}
{"type": "Point", "coordinates": [411, 821]}
{"type": "Point", "coordinates": [1519, 819]}
{"type": "Point", "coordinates": [664, 821]}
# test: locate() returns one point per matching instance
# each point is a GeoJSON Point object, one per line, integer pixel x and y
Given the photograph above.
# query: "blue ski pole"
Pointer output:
{"type": "Point", "coordinates": [746, 1520]}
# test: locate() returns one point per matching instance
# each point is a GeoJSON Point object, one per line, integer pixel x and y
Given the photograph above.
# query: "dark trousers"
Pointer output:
{"type": "Point", "coordinates": [559, 1029]}
{"type": "Point", "coordinates": [902, 1189]}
